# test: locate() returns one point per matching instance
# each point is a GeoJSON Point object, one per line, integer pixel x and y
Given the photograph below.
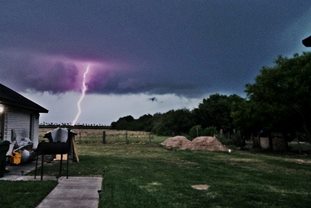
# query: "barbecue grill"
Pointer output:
{"type": "Point", "coordinates": [60, 142]}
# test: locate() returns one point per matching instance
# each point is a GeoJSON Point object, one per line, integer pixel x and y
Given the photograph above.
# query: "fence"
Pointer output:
{"type": "Point", "coordinates": [107, 136]}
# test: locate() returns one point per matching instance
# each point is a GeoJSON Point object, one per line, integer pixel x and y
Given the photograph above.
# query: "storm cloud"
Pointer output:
{"type": "Point", "coordinates": [187, 48]}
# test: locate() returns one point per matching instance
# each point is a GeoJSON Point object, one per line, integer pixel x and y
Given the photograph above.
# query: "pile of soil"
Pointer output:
{"type": "Point", "coordinates": [208, 143]}
{"type": "Point", "coordinates": [177, 142]}
{"type": "Point", "coordinates": [199, 143]}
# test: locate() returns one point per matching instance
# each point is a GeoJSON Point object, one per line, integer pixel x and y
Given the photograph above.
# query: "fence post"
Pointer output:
{"type": "Point", "coordinates": [126, 139]}
{"type": "Point", "coordinates": [104, 137]}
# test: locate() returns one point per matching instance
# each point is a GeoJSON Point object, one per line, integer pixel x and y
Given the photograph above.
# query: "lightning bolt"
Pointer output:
{"type": "Point", "coordinates": [83, 91]}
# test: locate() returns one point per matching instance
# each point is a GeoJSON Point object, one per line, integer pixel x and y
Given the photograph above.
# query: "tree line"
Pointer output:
{"type": "Point", "coordinates": [279, 101]}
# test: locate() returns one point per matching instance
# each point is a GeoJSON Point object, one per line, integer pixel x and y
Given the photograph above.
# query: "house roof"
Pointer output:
{"type": "Point", "coordinates": [11, 98]}
{"type": "Point", "coordinates": [307, 41]}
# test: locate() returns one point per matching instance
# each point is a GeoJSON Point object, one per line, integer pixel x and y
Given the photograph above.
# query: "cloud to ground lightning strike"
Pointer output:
{"type": "Point", "coordinates": [83, 91]}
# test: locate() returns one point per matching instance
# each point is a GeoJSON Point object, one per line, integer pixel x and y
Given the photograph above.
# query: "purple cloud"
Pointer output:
{"type": "Point", "coordinates": [188, 48]}
{"type": "Point", "coordinates": [26, 71]}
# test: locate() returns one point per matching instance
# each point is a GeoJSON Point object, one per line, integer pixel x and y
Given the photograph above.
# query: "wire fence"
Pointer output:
{"type": "Point", "coordinates": [110, 137]}
{"type": "Point", "coordinates": [107, 136]}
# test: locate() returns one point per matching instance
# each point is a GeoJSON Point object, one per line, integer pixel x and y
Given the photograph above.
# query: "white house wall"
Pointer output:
{"type": "Point", "coordinates": [19, 121]}
{"type": "Point", "coordinates": [35, 130]}
{"type": "Point", "coordinates": [24, 124]}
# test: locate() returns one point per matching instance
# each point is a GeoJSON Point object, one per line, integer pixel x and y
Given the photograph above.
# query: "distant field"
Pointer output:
{"type": "Point", "coordinates": [91, 136]}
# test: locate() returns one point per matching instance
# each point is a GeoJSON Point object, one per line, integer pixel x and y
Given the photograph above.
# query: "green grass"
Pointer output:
{"type": "Point", "coordinates": [23, 194]}
{"type": "Point", "coordinates": [146, 175]}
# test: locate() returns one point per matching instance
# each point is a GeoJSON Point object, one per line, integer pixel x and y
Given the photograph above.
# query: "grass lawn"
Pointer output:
{"type": "Point", "coordinates": [146, 175]}
{"type": "Point", "coordinates": [23, 194]}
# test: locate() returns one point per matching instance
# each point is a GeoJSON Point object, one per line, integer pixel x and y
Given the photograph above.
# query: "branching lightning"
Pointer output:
{"type": "Point", "coordinates": [83, 91]}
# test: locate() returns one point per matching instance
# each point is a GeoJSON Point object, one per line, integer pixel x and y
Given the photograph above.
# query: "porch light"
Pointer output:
{"type": "Point", "coordinates": [1, 108]}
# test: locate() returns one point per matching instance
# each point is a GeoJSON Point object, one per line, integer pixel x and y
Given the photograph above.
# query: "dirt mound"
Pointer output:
{"type": "Point", "coordinates": [208, 143]}
{"type": "Point", "coordinates": [199, 143]}
{"type": "Point", "coordinates": [177, 142]}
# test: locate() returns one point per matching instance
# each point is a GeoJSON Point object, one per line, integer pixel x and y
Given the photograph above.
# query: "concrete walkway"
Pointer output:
{"type": "Point", "coordinates": [18, 173]}
{"type": "Point", "coordinates": [78, 192]}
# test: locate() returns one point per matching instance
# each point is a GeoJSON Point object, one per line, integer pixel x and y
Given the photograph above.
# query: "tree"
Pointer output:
{"type": "Point", "coordinates": [144, 123]}
{"type": "Point", "coordinates": [280, 98]}
{"type": "Point", "coordinates": [217, 110]}
{"type": "Point", "coordinates": [173, 122]}
{"type": "Point", "coordinates": [195, 131]}
{"type": "Point", "coordinates": [124, 123]}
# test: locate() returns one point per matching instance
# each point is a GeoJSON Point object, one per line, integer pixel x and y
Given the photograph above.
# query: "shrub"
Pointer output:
{"type": "Point", "coordinates": [210, 131]}
{"type": "Point", "coordinates": [195, 131]}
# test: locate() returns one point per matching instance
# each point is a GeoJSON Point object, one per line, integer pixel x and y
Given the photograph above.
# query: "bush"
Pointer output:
{"type": "Point", "coordinates": [195, 131]}
{"type": "Point", "coordinates": [225, 139]}
{"type": "Point", "coordinates": [232, 139]}
{"type": "Point", "coordinates": [210, 131]}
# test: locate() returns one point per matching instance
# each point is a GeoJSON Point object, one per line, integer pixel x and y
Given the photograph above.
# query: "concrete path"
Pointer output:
{"type": "Point", "coordinates": [27, 178]}
{"type": "Point", "coordinates": [18, 173]}
{"type": "Point", "coordinates": [22, 169]}
{"type": "Point", "coordinates": [78, 192]}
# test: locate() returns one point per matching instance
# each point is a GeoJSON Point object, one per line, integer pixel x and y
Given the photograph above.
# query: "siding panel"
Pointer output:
{"type": "Point", "coordinates": [35, 130]}
{"type": "Point", "coordinates": [18, 121]}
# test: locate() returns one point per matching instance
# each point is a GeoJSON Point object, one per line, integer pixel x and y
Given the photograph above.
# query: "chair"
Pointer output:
{"type": "Point", "coordinates": [4, 147]}
{"type": "Point", "coordinates": [53, 148]}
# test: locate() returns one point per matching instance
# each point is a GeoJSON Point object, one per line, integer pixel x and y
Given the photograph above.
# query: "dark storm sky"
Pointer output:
{"type": "Point", "coordinates": [184, 47]}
